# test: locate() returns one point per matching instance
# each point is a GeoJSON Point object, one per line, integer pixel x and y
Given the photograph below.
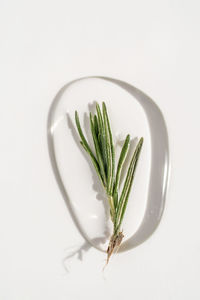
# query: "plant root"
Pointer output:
{"type": "Point", "coordinates": [115, 242]}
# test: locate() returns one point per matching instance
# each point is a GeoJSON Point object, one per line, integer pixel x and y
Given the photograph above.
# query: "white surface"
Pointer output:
{"type": "Point", "coordinates": [155, 46]}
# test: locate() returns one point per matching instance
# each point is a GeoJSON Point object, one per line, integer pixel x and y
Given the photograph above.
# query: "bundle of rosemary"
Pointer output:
{"type": "Point", "coordinates": [104, 164]}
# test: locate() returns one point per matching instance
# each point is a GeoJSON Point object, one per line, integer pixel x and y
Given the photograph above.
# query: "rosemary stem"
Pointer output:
{"type": "Point", "coordinates": [111, 203]}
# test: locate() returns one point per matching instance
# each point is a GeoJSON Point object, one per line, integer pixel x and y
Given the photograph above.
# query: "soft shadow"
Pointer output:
{"type": "Point", "coordinates": [80, 251]}
{"type": "Point", "coordinates": [133, 143]}
{"type": "Point", "coordinates": [159, 173]}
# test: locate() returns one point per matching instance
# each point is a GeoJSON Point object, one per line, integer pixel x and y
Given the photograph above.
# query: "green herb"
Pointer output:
{"type": "Point", "coordinates": [104, 164]}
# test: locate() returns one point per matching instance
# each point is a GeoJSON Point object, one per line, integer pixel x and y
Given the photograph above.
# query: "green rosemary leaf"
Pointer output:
{"type": "Point", "coordinates": [99, 116]}
{"type": "Point", "coordinates": [94, 161]}
{"type": "Point", "coordinates": [87, 148]}
{"type": "Point", "coordinates": [127, 185]}
{"type": "Point", "coordinates": [110, 151]}
{"type": "Point", "coordinates": [97, 149]}
{"type": "Point", "coordinates": [82, 137]}
{"type": "Point", "coordinates": [96, 127]}
{"type": "Point", "coordinates": [122, 158]}
{"type": "Point", "coordinates": [115, 198]}
{"type": "Point", "coordinates": [102, 137]}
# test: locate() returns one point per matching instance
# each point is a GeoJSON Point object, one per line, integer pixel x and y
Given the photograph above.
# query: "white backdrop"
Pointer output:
{"type": "Point", "coordinates": [153, 45]}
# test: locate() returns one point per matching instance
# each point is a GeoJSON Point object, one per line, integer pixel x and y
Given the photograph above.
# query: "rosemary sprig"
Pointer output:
{"type": "Point", "coordinates": [104, 164]}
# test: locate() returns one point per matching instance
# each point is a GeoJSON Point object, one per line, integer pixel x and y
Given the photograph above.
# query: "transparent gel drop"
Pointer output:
{"type": "Point", "coordinates": [130, 111]}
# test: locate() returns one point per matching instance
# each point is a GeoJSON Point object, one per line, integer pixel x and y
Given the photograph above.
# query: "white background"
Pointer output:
{"type": "Point", "coordinates": [154, 45]}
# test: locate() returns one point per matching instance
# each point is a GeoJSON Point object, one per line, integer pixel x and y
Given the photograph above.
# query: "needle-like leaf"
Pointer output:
{"type": "Point", "coordinates": [102, 137]}
{"type": "Point", "coordinates": [127, 185]}
{"type": "Point", "coordinates": [97, 149]}
{"type": "Point", "coordinates": [87, 148]}
{"type": "Point", "coordinates": [96, 127]}
{"type": "Point", "coordinates": [122, 158]}
{"type": "Point", "coordinates": [95, 163]}
{"type": "Point", "coordinates": [110, 151]}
